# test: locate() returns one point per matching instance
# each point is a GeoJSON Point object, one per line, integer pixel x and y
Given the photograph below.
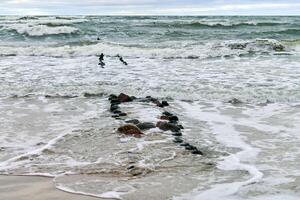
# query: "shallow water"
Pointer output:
{"type": "Point", "coordinates": [50, 127]}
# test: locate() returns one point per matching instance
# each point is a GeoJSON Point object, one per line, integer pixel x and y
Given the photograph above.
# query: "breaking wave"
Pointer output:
{"type": "Point", "coordinates": [203, 51]}
{"type": "Point", "coordinates": [41, 30]}
{"type": "Point", "coordinates": [219, 25]}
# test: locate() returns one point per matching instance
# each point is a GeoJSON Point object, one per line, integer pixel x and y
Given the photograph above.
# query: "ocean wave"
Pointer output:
{"type": "Point", "coordinates": [207, 24]}
{"type": "Point", "coordinates": [28, 18]}
{"type": "Point", "coordinates": [197, 51]}
{"type": "Point", "coordinates": [258, 45]}
{"type": "Point", "coordinates": [53, 24]}
{"type": "Point", "coordinates": [60, 22]}
{"type": "Point", "coordinates": [40, 30]}
{"type": "Point", "coordinates": [292, 31]}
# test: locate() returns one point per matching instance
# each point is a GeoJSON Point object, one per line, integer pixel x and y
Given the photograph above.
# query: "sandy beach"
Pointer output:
{"type": "Point", "coordinates": [33, 188]}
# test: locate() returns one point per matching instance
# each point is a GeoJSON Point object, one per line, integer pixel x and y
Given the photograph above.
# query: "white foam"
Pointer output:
{"type": "Point", "coordinates": [223, 128]}
{"type": "Point", "coordinates": [14, 162]}
{"type": "Point", "coordinates": [116, 193]}
{"type": "Point", "coordinates": [106, 195]}
{"type": "Point", "coordinates": [40, 30]}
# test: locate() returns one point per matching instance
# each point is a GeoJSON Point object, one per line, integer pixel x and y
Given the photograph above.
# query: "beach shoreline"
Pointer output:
{"type": "Point", "coordinates": [34, 188]}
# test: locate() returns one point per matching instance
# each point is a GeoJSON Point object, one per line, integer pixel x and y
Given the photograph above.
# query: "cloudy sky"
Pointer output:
{"type": "Point", "coordinates": [149, 7]}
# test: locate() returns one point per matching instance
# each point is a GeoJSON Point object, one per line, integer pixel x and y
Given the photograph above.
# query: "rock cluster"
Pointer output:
{"type": "Point", "coordinates": [133, 127]}
{"type": "Point", "coordinates": [130, 129]}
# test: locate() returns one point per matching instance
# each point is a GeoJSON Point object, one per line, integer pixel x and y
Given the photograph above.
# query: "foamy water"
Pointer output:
{"type": "Point", "coordinates": [49, 126]}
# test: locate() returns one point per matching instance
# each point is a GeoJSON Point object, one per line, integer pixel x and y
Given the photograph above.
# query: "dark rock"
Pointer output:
{"type": "Point", "coordinates": [167, 113]}
{"type": "Point", "coordinates": [130, 129]}
{"type": "Point", "coordinates": [146, 125]}
{"type": "Point", "coordinates": [133, 121]}
{"type": "Point", "coordinates": [190, 147]}
{"type": "Point", "coordinates": [177, 134]}
{"type": "Point", "coordinates": [169, 117]}
{"type": "Point", "coordinates": [180, 126]}
{"type": "Point", "coordinates": [166, 126]}
{"type": "Point", "coordinates": [114, 107]}
{"type": "Point", "coordinates": [165, 103]}
{"type": "Point", "coordinates": [130, 167]}
{"type": "Point", "coordinates": [197, 152]}
{"type": "Point", "coordinates": [178, 140]}
{"type": "Point", "coordinates": [115, 101]}
{"type": "Point", "coordinates": [173, 118]}
{"type": "Point", "coordinates": [164, 117]}
{"type": "Point", "coordinates": [124, 98]}
{"type": "Point", "coordinates": [185, 144]}
{"type": "Point", "coordinates": [136, 171]}
{"type": "Point", "coordinates": [235, 101]}
{"type": "Point", "coordinates": [115, 116]}
{"type": "Point", "coordinates": [116, 112]}
{"type": "Point", "coordinates": [122, 114]}
{"type": "Point", "coordinates": [112, 97]}
{"type": "Point", "coordinates": [156, 102]}
{"type": "Point", "coordinates": [173, 122]}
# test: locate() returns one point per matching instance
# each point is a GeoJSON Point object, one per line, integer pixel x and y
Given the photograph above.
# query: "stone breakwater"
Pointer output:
{"type": "Point", "coordinates": [134, 127]}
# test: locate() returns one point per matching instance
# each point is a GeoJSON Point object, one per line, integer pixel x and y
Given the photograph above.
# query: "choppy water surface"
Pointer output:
{"type": "Point", "coordinates": [49, 127]}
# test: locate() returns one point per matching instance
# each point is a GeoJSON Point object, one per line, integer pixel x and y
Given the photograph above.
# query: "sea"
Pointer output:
{"type": "Point", "coordinates": [233, 82]}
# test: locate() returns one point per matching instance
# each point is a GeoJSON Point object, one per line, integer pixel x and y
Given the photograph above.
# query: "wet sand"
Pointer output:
{"type": "Point", "coordinates": [34, 188]}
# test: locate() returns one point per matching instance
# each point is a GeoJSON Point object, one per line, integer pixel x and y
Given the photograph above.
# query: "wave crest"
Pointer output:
{"type": "Point", "coordinates": [41, 30]}
{"type": "Point", "coordinates": [207, 24]}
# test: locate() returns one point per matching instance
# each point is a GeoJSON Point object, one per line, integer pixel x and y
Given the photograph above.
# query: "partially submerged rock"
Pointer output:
{"type": "Point", "coordinates": [165, 103]}
{"type": "Point", "coordinates": [116, 111]}
{"type": "Point", "coordinates": [157, 102]}
{"type": "Point", "coordinates": [146, 125]}
{"type": "Point", "coordinates": [164, 117]}
{"type": "Point", "coordinates": [115, 116]}
{"type": "Point", "coordinates": [166, 126]}
{"type": "Point", "coordinates": [124, 98]}
{"type": "Point", "coordinates": [122, 114]}
{"type": "Point", "coordinates": [112, 96]}
{"type": "Point", "coordinates": [177, 140]}
{"type": "Point", "coordinates": [180, 126]}
{"type": "Point", "coordinates": [170, 117]}
{"type": "Point", "coordinates": [167, 113]}
{"type": "Point", "coordinates": [114, 107]}
{"type": "Point", "coordinates": [177, 134]}
{"type": "Point", "coordinates": [115, 102]}
{"type": "Point", "coordinates": [197, 152]}
{"type": "Point", "coordinates": [130, 129]}
{"type": "Point", "coordinates": [133, 121]}
{"type": "Point", "coordinates": [190, 147]}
